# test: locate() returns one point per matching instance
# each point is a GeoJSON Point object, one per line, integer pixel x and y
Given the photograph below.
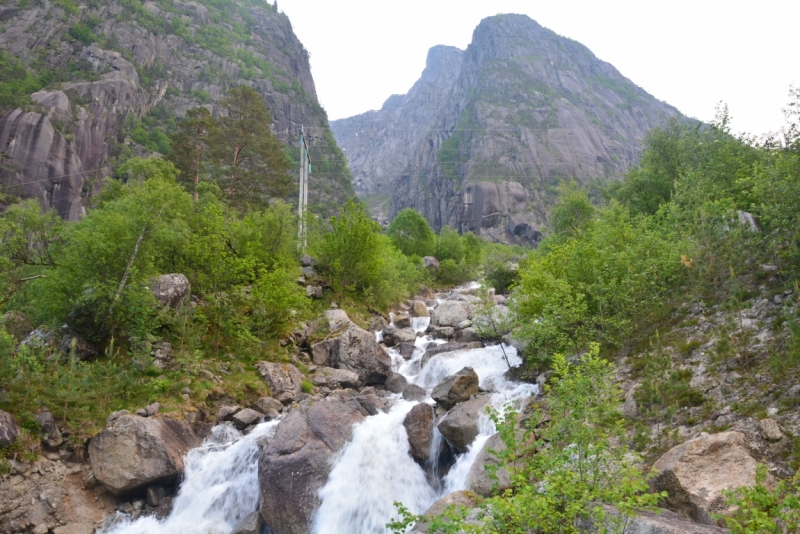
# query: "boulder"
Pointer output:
{"type": "Point", "coordinates": [396, 383]}
{"type": "Point", "coordinates": [456, 388]}
{"type": "Point", "coordinates": [83, 349]}
{"type": "Point", "coordinates": [419, 309]}
{"type": "Point", "coordinates": [251, 525]}
{"type": "Point", "coordinates": [430, 263]}
{"type": "Point", "coordinates": [656, 522]}
{"type": "Point", "coordinates": [246, 417]}
{"type": "Point", "coordinates": [134, 452]}
{"type": "Point", "coordinates": [265, 404]}
{"type": "Point", "coordinates": [406, 350]}
{"type": "Point", "coordinates": [478, 479]}
{"type": "Point", "coordinates": [307, 261]}
{"type": "Point", "coordinates": [225, 412]}
{"type": "Point", "coordinates": [430, 352]}
{"type": "Point", "coordinates": [336, 319]}
{"type": "Point", "coordinates": [461, 424]}
{"type": "Point", "coordinates": [335, 378]}
{"type": "Point", "coordinates": [695, 474]}
{"type": "Point", "coordinates": [354, 350]}
{"type": "Point", "coordinates": [419, 427]}
{"type": "Point", "coordinates": [371, 403]}
{"type": "Point", "coordinates": [51, 436]}
{"type": "Point", "coordinates": [770, 429]}
{"type": "Point", "coordinates": [402, 320]}
{"type": "Point", "coordinates": [170, 289]}
{"type": "Point", "coordinates": [285, 381]}
{"type": "Point", "coordinates": [457, 498]}
{"type": "Point", "coordinates": [8, 429]}
{"type": "Point", "coordinates": [414, 392]}
{"type": "Point", "coordinates": [314, 292]}
{"type": "Point", "coordinates": [295, 463]}
{"type": "Point", "coordinates": [451, 313]}
{"type": "Point", "coordinates": [467, 335]}
{"type": "Point", "coordinates": [155, 495]}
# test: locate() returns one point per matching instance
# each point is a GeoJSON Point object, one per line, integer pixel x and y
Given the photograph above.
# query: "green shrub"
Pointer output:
{"type": "Point", "coordinates": [307, 386]}
{"type": "Point", "coordinates": [411, 234]}
{"type": "Point", "coordinates": [764, 508]}
{"type": "Point", "coordinates": [449, 245]}
{"type": "Point", "coordinates": [81, 33]}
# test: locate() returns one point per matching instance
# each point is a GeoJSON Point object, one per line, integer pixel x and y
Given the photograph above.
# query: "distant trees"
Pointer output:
{"type": "Point", "coordinates": [237, 151]}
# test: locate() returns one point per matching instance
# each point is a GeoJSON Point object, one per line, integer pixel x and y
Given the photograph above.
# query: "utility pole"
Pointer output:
{"type": "Point", "coordinates": [302, 202]}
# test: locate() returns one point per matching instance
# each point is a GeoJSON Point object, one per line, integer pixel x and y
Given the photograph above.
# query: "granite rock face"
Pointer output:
{"type": "Point", "coordinates": [62, 145]}
{"type": "Point", "coordinates": [525, 109]}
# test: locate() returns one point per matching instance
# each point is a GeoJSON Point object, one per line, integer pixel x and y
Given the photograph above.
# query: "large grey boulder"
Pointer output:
{"type": "Point", "coordinates": [696, 473]}
{"type": "Point", "coordinates": [460, 426]}
{"type": "Point", "coordinates": [356, 350]}
{"type": "Point", "coordinates": [170, 289]}
{"type": "Point", "coordinates": [396, 383]}
{"type": "Point", "coordinates": [419, 309]}
{"type": "Point", "coordinates": [430, 263]}
{"type": "Point", "coordinates": [478, 479]}
{"type": "Point", "coordinates": [456, 388]}
{"type": "Point", "coordinates": [451, 313]}
{"type": "Point", "coordinates": [296, 462]}
{"type": "Point", "coordinates": [414, 392]}
{"type": "Point", "coordinates": [133, 452]}
{"type": "Point", "coordinates": [419, 427]}
{"type": "Point", "coordinates": [285, 381]}
{"type": "Point", "coordinates": [8, 429]}
{"type": "Point", "coordinates": [335, 378]}
{"type": "Point", "coordinates": [265, 404]}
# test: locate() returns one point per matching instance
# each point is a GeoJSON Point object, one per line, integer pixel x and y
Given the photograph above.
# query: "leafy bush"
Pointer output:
{"type": "Point", "coordinates": [765, 508]}
{"type": "Point", "coordinates": [411, 234]}
{"type": "Point", "coordinates": [449, 245]}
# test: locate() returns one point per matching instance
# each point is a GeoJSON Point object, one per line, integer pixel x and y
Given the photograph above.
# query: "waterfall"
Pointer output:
{"type": "Point", "coordinates": [219, 490]}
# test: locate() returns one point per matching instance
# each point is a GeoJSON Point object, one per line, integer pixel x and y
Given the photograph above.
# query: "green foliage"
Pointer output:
{"type": "Point", "coordinates": [411, 234]}
{"type": "Point", "coordinates": [307, 386]}
{"type": "Point", "coordinates": [17, 83]}
{"type": "Point", "coordinates": [81, 33]}
{"type": "Point", "coordinates": [452, 274]}
{"type": "Point", "coordinates": [449, 245]}
{"type": "Point", "coordinates": [573, 212]}
{"type": "Point", "coordinates": [765, 508]}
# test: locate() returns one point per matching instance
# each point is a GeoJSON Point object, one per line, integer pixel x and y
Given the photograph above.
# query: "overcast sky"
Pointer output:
{"type": "Point", "coordinates": [690, 54]}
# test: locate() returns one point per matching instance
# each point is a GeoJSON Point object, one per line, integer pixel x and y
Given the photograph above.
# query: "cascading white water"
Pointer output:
{"type": "Point", "coordinates": [219, 491]}
{"type": "Point", "coordinates": [375, 468]}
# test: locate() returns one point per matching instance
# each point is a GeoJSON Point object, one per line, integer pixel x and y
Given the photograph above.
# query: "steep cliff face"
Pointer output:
{"type": "Point", "coordinates": [380, 144]}
{"type": "Point", "coordinates": [528, 109]}
{"type": "Point", "coordinates": [116, 74]}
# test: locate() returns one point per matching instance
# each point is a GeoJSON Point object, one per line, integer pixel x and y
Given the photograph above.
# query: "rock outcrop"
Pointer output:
{"type": "Point", "coordinates": [296, 462]}
{"type": "Point", "coordinates": [419, 427]}
{"type": "Point", "coordinates": [696, 473]}
{"type": "Point", "coordinates": [354, 349]}
{"type": "Point", "coordinates": [519, 110]}
{"type": "Point", "coordinates": [170, 289]}
{"type": "Point", "coordinates": [284, 380]}
{"type": "Point", "coordinates": [8, 429]}
{"type": "Point", "coordinates": [132, 452]}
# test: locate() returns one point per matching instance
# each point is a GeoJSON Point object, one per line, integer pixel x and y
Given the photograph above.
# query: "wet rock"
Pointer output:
{"type": "Point", "coordinates": [456, 388]}
{"type": "Point", "coordinates": [371, 403]}
{"type": "Point", "coordinates": [419, 427]}
{"type": "Point", "coordinates": [414, 392]}
{"type": "Point", "coordinates": [170, 289]}
{"type": "Point", "coordinates": [478, 479]}
{"type": "Point", "coordinates": [51, 436]}
{"type": "Point", "coordinates": [8, 429]}
{"type": "Point", "coordinates": [265, 404]}
{"type": "Point", "coordinates": [457, 498]}
{"type": "Point", "coordinates": [396, 383]}
{"type": "Point", "coordinates": [460, 426]}
{"type": "Point", "coordinates": [406, 350]}
{"type": "Point", "coordinates": [225, 412]}
{"type": "Point", "coordinates": [355, 350]}
{"type": "Point", "coordinates": [451, 313]}
{"type": "Point", "coordinates": [335, 378]}
{"type": "Point", "coordinates": [247, 417]}
{"type": "Point", "coordinates": [251, 525]}
{"type": "Point", "coordinates": [402, 320]}
{"type": "Point", "coordinates": [419, 309]}
{"type": "Point", "coordinates": [296, 463]}
{"type": "Point", "coordinates": [284, 380]}
{"type": "Point", "coordinates": [770, 429]}
{"type": "Point", "coordinates": [466, 335]}
{"type": "Point", "coordinates": [134, 452]}
{"type": "Point", "coordinates": [156, 495]}
{"type": "Point", "coordinates": [430, 263]}
{"type": "Point", "coordinates": [432, 351]}
{"type": "Point", "coordinates": [696, 473]}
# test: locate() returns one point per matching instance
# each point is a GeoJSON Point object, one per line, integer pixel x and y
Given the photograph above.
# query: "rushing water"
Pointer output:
{"type": "Point", "coordinates": [219, 491]}
{"type": "Point", "coordinates": [370, 473]}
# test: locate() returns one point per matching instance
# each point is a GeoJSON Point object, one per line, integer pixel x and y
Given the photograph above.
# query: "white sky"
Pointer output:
{"type": "Point", "coordinates": [690, 54]}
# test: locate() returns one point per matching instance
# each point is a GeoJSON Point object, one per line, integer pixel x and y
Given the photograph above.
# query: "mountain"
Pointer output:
{"type": "Point", "coordinates": [526, 109]}
{"type": "Point", "coordinates": [109, 78]}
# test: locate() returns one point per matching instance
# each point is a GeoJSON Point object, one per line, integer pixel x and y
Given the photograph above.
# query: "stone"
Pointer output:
{"type": "Point", "coordinates": [629, 407]}
{"type": "Point", "coordinates": [371, 403]}
{"type": "Point", "coordinates": [356, 350]}
{"type": "Point", "coordinates": [457, 498]}
{"type": "Point", "coordinates": [307, 261]}
{"type": "Point", "coordinates": [466, 335]}
{"type": "Point", "coordinates": [456, 388]}
{"type": "Point", "coordinates": [16, 324]}
{"type": "Point", "coordinates": [451, 313]}
{"type": "Point", "coordinates": [430, 263]}
{"type": "Point", "coordinates": [295, 463]}
{"type": "Point", "coordinates": [75, 528]}
{"type": "Point", "coordinates": [51, 436]}
{"type": "Point", "coordinates": [414, 392]}
{"type": "Point", "coordinates": [655, 522]}
{"type": "Point", "coordinates": [419, 427]}
{"type": "Point", "coordinates": [8, 429]}
{"type": "Point", "coordinates": [284, 380]}
{"type": "Point", "coordinates": [83, 350]}
{"type": "Point", "coordinates": [406, 349]}
{"type": "Point", "coordinates": [460, 426]}
{"type": "Point", "coordinates": [314, 292]}
{"type": "Point", "coordinates": [134, 452]}
{"type": "Point", "coordinates": [396, 383]}
{"type": "Point", "coordinates": [225, 412]}
{"type": "Point", "coordinates": [335, 378]}
{"type": "Point", "coordinates": [170, 289]}
{"type": "Point", "coordinates": [265, 404]}
{"type": "Point", "coordinates": [696, 473]}
{"type": "Point", "coordinates": [404, 335]}
{"type": "Point", "coordinates": [247, 417]}
{"type": "Point", "coordinates": [251, 525]}
{"type": "Point", "coordinates": [478, 479]}
{"type": "Point", "coordinates": [419, 309]}
{"type": "Point", "coordinates": [156, 495]}
{"type": "Point", "coordinates": [402, 320]}
{"type": "Point", "coordinates": [770, 429]}
{"type": "Point", "coordinates": [336, 319]}
{"type": "Point", "coordinates": [309, 272]}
